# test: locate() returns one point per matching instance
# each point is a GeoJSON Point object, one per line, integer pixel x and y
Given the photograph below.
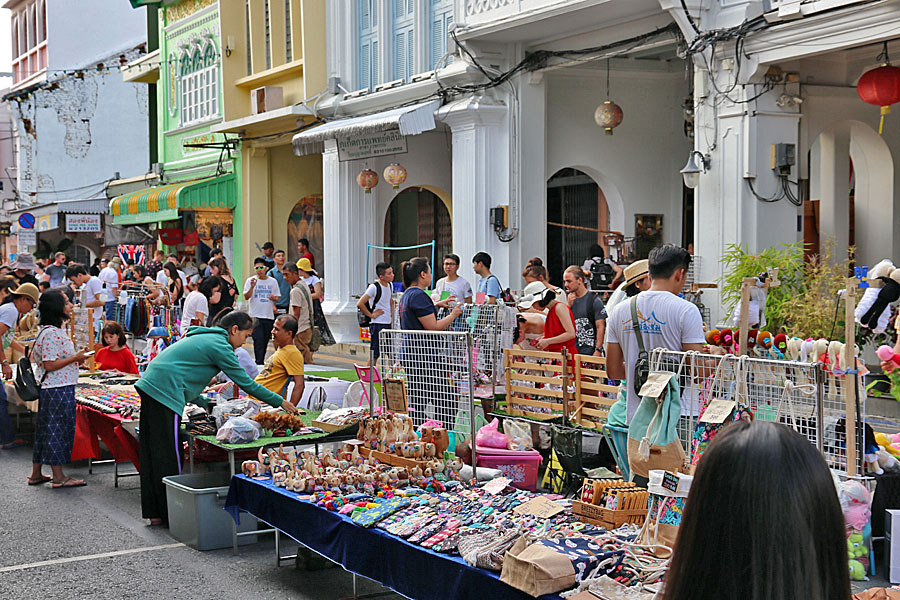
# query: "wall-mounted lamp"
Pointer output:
{"type": "Point", "coordinates": [229, 45]}
{"type": "Point", "coordinates": [691, 172]}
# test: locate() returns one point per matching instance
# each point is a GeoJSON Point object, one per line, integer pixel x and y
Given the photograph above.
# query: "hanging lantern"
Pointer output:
{"type": "Point", "coordinates": [608, 116]}
{"type": "Point", "coordinates": [395, 175]}
{"type": "Point", "coordinates": [367, 179]}
{"type": "Point", "coordinates": [881, 86]}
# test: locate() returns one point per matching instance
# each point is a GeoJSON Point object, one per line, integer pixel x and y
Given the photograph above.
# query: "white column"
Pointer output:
{"type": "Point", "coordinates": [831, 186]}
{"type": "Point", "coordinates": [348, 221]}
{"type": "Point", "coordinates": [480, 181]}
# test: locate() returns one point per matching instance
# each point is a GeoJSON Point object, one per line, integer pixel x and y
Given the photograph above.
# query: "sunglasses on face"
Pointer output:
{"type": "Point", "coordinates": [259, 268]}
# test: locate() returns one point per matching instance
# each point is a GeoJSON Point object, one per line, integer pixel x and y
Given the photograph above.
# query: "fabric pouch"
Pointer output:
{"type": "Point", "coordinates": [385, 509]}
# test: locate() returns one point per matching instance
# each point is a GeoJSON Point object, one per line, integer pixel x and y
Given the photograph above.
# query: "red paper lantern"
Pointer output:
{"type": "Point", "coordinates": [608, 116]}
{"type": "Point", "coordinates": [367, 179]}
{"type": "Point", "coordinates": [395, 175]}
{"type": "Point", "coordinates": [880, 87]}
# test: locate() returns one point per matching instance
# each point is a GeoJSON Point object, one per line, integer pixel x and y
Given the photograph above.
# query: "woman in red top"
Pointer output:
{"type": "Point", "coordinates": [559, 330]}
{"type": "Point", "coordinates": [115, 356]}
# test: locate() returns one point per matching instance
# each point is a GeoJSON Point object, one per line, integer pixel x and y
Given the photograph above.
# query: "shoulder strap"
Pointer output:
{"type": "Point", "coordinates": [377, 295]}
{"type": "Point", "coordinates": [635, 324]}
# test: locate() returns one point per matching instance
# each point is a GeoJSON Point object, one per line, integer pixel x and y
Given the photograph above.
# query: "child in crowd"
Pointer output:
{"type": "Point", "coordinates": [115, 356]}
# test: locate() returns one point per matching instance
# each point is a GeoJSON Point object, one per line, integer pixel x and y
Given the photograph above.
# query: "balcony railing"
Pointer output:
{"type": "Point", "coordinates": [483, 12]}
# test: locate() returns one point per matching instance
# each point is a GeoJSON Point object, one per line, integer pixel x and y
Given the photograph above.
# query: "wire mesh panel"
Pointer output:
{"type": "Point", "coordinates": [812, 405]}
{"type": "Point", "coordinates": [593, 395]}
{"type": "Point", "coordinates": [435, 367]}
{"type": "Point", "coordinates": [534, 383]}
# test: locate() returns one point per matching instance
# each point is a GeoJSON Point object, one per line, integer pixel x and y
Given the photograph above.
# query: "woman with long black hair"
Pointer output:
{"type": "Point", "coordinates": [762, 522]}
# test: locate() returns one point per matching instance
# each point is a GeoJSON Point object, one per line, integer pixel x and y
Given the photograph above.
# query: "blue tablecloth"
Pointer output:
{"type": "Point", "coordinates": [407, 569]}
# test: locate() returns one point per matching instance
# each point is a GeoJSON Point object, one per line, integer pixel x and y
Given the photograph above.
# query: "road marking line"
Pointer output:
{"type": "Point", "coordinates": [59, 561]}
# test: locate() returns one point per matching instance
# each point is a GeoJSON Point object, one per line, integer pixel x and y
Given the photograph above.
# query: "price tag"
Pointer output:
{"type": "Point", "coordinates": [670, 481]}
{"type": "Point", "coordinates": [717, 411]}
{"type": "Point", "coordinates": [656, 384]}
{"type": "Point", "coordinates": [495, 486]}
{"type": "Point", "coordinates": [539, 507]}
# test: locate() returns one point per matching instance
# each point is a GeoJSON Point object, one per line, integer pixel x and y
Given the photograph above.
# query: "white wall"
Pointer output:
{"type": "Point", "coordinates": [641, 161]}
{"type": "Point", "coordinates": [80, 32]}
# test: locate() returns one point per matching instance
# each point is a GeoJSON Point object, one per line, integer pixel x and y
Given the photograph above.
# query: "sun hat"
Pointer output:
{"type": "Point", "coordinates": [24, 261]}
{"type": "Point", "coordinates": [636, 271]}
{"type": "Point", "coordinates": [28, 289]}
{"type": "Point", "coordinates": [532, 293]}
{"type": "Point", "coordinates": [304, 265]}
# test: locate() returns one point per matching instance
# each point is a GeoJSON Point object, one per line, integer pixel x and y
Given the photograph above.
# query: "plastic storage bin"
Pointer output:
{"type": "Point", "coordinates": [197, 515]}
{"type": "Point", "coordinates": [520, 466]}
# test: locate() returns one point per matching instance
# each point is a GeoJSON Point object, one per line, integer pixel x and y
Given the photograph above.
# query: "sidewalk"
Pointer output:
{"type": "Point", "coordinates": [93, 544]}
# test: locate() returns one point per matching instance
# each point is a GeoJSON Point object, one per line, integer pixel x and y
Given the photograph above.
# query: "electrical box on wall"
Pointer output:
{"type": "Point", "coordinates": [499, 218]}
{"type": "Point", "coordinates": [783, 158]}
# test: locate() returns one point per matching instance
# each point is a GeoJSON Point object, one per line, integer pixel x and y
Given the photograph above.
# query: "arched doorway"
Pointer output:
{"type": "Point", "coordinates": [577, 216]}
{"type": "Point", "coordinates": [305, 221]}
{"type": "Point", "coordinates": [417, 216]}
{"type": "Point", "coordinates": [851, 179]}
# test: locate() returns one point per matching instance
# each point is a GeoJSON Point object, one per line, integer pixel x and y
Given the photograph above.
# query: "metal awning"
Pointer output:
{"type": "Point", "coordinates": [162, 202]}
{"type": "Point", "coordinates": [410, 120]}
{"type": "Point", "coordinates": [93, 206]}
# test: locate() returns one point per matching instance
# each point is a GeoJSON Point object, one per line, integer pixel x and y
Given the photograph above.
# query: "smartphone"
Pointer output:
{"type": "Point", "coordinates": [89, 353]}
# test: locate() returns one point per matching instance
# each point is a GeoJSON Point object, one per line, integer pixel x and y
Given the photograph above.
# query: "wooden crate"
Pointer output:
{"type": "Point", "coordinates": [331, 428]}
{"type": "Point", "coordinates": [529, 377]}
{"type": "Point", "coordinates": [611, 519]}
{"type": "Point", "coordinates": [393, 459]}
{"type": "Point", "coordinates": [593, 396]}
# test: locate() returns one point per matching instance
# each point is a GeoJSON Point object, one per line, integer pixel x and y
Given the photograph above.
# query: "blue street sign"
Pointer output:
{"type": "Point", "coordinates": [26, 221]}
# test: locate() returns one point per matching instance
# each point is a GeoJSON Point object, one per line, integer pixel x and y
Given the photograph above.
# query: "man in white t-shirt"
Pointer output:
{"type": "Point", "coordinates": [666, 321]}
{"type": "Point", "coordinates": [458, 287]}
{"type": "Point", "coordinates": [262, 292]}
{"type": "Point", "coordinates": [381, 307]}
{"type": "Point", "coordinates": [110, 276]}
{"type": "Point", "coordinates": [93, 288]}
{"type": "Point", "coordinates": [162, 276]}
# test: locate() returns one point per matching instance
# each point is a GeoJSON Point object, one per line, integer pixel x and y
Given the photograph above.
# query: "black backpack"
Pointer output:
{"type": "Point", "coordinates": [602, 274]}
{"type": "Point", "coordinates": [361, 317]}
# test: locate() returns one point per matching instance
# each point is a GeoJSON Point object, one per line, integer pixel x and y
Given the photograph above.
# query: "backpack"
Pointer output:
{"type": "Point", "coordinates": [363, 319]}
{"type": "Point", "coordinates": [506, 295]}
{"type": "Point", "coordinates": [653, 441]}
{"type": "Point", "coordinates": [602, 274]}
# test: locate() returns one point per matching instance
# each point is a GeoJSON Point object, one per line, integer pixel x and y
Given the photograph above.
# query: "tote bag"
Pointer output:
{"type": "Point", "coordinates": [653, 441]}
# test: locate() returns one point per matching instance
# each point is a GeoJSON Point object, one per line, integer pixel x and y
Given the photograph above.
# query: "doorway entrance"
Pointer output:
{"type": "Point", "coordinates": [417, 216]}
{"type": "Point", "coordinates": [577, 218]}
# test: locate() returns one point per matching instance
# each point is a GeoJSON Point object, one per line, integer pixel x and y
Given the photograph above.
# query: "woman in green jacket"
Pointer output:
{"type": "Point", "coordinates": [177, 376]}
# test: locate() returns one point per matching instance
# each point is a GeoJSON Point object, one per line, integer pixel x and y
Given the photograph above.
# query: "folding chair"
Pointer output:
{"type": "Point", "coordinates": [363, 373]}
{"type": "Point", "coordinates": [566, 443]}
{"type": "Point", "coordinates": [617, 438]}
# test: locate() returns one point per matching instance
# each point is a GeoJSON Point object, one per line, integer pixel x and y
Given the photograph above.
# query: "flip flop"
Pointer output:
{"type": "Point", "coordinates": [68, 482]}
{"type": "Point", "coordinates": [12, 445]}
{"type": "Point", "coordinates": [43, 479]}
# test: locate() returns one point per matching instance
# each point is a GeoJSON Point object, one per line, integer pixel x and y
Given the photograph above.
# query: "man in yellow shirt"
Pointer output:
{"type": "Point", "coordinates": [285, 363]}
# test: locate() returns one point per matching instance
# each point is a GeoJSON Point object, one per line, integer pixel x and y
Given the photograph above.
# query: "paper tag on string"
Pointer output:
{"type": "Point", "coordinates": [539, 507]}
{"type": "Point", "coordinates": [656, 384]}
{"type": "Point", "coordinates": [495, 486]}
{"type": "Point", "coordinates": [717, 411]}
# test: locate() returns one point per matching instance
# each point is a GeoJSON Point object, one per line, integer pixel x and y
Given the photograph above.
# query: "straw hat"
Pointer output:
{"type": "Point", "coordinates": [636, 271]}
{"type": "Point", "coordinates": [28, 289]}
{"type": "Point", "coordinates": [304, 265]}
{"type": "Point", "coordinates": [532, 293]}
{"type": "Point", "coordinates": [25, 261]}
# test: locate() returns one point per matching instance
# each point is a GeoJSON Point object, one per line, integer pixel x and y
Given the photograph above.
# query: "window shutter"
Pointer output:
{"type": "Point", "coordinates": [403, 40]}
{"type": "Point", "coordinates": [368, 44]}
{"type": "Point", "coordinates": [364, 65]}
{"type": "Point", "coordinates": [441, 17]}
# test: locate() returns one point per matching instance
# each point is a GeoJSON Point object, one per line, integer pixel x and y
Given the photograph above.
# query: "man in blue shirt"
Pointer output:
{"type": "Point", "coordinates": [283, 286]}
{"type": "Point", "coordinates": [488, 284]}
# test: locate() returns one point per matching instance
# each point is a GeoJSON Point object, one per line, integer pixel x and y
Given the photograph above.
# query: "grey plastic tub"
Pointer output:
{"type": "Point", "coordinates": [197, 515]}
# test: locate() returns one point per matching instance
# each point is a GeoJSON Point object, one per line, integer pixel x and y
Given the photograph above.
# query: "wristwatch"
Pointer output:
{"type": "Point", "coordinates": [599, 348]}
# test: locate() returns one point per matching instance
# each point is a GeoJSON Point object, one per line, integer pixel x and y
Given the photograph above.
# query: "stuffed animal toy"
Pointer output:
{"type": "Point", "coordinates": [889, 293]}
{"type": "Point", "coordinates": [856, 503]}
{"type": "Point", "coordinates": [886, 353]}
{"type": "Point", "coordinates": [780, 345]}
{"type": "Point", "coordinates": [713, 337]}
{"type": "Point", "coordinates": [882, 270]}
{"type": "Point", "coordinates": [757, 308]}
{"type": "Point", "coordinates": [764, 339]}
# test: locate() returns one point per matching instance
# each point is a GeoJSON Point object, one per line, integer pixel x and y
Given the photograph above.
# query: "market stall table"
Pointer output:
{"type": "Point", "coordinates": [410, 570]}
{"type": "Point", "coordinates": [95, 421]}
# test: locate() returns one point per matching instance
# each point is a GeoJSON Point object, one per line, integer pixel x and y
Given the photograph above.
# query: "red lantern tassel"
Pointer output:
{"type": "Point", "coordinates": [885, 110]}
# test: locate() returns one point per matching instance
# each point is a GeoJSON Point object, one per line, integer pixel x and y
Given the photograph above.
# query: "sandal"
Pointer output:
{"type": "Point", "coordinates": [68, 482]}
{"type": "Point", "coordinates": [39, 480]}
{"type": "Point", "coordinates": [14, 444]}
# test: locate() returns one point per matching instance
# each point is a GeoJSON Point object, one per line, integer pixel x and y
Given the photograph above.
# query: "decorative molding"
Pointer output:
{"type": "Point", "coordinates": [477, 7]}
{"type": "Point", "coordinates": [186, 8]}
{"type": "Point", "coordinates": [207, 15]}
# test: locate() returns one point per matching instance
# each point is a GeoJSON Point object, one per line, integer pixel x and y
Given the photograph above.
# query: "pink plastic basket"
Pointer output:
{"type": "Point", "coordinates": [520, 466]}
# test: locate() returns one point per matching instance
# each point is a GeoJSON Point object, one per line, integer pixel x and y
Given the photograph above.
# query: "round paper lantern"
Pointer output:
{"type": "Point", "coordinates": [367, 179]}
{"type": "Point", "coordinates": [395, 175]}
{"type": "Point", "coordinates": [608, 115]}
{"type": "Point", "coordinates": [880, 87]}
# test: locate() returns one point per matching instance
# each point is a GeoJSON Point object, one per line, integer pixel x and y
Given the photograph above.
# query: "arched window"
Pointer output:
{"type": "Point", "coordinates": [199, 79]}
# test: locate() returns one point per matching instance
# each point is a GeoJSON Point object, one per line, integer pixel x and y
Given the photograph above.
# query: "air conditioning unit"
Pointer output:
{"type": "Point", "coordinates": [266, 98]}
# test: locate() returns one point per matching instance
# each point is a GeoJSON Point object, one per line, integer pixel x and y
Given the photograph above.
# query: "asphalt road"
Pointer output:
{"type": "Point", "coordinates": [56, 543]}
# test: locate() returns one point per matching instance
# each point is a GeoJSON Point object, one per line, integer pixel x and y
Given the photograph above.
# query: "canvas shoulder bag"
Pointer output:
{"type": "Point", "coordinates": [642, 366]}
{"type": "Point", "coordinates": [653, 441]}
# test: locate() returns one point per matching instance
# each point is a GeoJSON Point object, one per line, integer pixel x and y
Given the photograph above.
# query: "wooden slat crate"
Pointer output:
{"type": "Point", "coordinates": [593, 396]}
{"type": "Point", "coordinates": [535, 383]}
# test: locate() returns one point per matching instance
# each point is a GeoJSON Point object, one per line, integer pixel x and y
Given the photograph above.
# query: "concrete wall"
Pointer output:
{"type": "Point", "coordinates": [638, 166]}
{"type": "Point", "coordinates": [80, 32]}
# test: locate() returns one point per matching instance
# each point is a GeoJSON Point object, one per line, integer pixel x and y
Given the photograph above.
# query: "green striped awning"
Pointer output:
{"type": "Point", "coordinates": [162, 202]}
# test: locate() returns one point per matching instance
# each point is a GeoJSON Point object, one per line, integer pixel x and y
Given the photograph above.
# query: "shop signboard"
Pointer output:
{"type": "Point", "coordinates": [4, 228]}
{"type": "Point", "coordinates": [82, 223]}
{"type": "Point", "coordinates": [371, 145]}
{"type": "Point", "coordinates": [26, 238]}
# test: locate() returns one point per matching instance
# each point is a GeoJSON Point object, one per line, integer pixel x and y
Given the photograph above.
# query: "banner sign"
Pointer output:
{"type": "Point", "coordinates": [375, 144]}
{"type": "Point", "coordinates": [82, 223]}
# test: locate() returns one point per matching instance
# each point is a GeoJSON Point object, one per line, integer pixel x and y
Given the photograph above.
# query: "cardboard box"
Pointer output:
{"type": "Point", "coordinates": [892, 545]}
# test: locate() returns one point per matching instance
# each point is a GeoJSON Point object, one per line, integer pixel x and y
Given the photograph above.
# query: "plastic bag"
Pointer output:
{"type": "Point", "coordinates": [239, 430]}
{"type": "Point", "coordinates": [490, 437]}
{"type": "Point", "coordinates": [233, 408]}
{"type": "Point", "coordinates": [518, 435]}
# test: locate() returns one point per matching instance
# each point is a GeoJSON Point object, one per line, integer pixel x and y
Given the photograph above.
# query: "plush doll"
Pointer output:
{"type": "Point", "coordinates": [887, 295]}
{"type": "Point", "coordinates": [764, 339]}
{"type": "Point", "coordinates": [856, 503]}
{"type": "Point", "coordinates": [713, 337]}
{"type": "Point", "coordinates": [870, 296]}
{"type": "Point", "coordinates": [780, 345]}
{"type": "Point", "coordinates": [726, 340]}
